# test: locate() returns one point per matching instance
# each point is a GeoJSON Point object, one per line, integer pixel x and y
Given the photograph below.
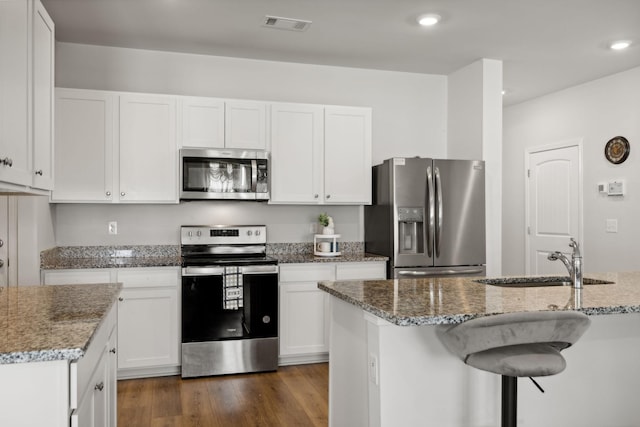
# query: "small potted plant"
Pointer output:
{"type": "Point", "coordinates": [326, 222]}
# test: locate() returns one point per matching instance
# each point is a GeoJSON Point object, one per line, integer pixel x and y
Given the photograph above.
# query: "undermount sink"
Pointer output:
{"type": "Point", "coordinates": [525, 282]}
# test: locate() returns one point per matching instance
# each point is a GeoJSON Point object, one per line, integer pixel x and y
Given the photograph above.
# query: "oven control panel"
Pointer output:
{"type": "Point", "coordinates": [223, 234]}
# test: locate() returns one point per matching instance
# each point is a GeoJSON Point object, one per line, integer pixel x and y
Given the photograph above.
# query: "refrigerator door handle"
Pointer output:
{"type": "Point", "coordinates": [431, 205]}
{"type": "Point", "coordinates": [440, 272]}
{"type": "Point", "coordinates": [438, 237]}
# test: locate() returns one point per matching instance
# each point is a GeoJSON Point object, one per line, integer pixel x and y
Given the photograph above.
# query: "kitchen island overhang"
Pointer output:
{"type": "Point", "coordinates": [387, 366]}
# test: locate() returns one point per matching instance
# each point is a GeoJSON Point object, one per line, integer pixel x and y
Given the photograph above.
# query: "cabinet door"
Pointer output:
{"type": "Point", "coordinates": [83, 165]}
{"type": "Point", "coordinates": [15, 167]}
{"type": "Point", "coordinates": [111, 378]}
{"type": "Point", "coordinates": [93, 406]}
{"type": "Point", "coordinates": [148, 149]}
{"type": "Point", "coordinates": [43, 82]}
{"type": "Point", "coordinates": [202, 122]}
{"type": "Point", "coordinates": [347, 155]}
{"type": "Point", "coordinates": [303, 319]}
{"type": "Point", "coordinates": [246, 125]}
{"type": "Point", "coordinates": [148, 328]}
{"type": "Point", "coordinates": [296, 153]}
{"type": "Point", "coordinates": [304, 310]}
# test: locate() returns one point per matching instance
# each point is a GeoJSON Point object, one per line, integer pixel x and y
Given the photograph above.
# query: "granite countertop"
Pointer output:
{"type": "Point", "coordinates": [455, 300]}
{"type": "Point", "coordinates": [78, 257]}
{"type": "Point", "coordinates": [45, 323]}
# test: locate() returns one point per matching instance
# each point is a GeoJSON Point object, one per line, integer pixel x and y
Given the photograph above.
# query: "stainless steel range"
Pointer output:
{"type": "Point", "coordinates": [229, 301]}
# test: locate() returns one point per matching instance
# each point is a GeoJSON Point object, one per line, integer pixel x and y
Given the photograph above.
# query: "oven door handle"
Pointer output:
{"type": "Point", "coordinates": [203, 271]}
{"type": "Point", "coordinates": [259, 269]}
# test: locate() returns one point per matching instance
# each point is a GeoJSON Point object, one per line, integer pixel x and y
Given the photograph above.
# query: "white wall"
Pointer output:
{"type": "Point", "coordinates": [409, 119]}
{"type": "Point", "coordinates": [596, 112]}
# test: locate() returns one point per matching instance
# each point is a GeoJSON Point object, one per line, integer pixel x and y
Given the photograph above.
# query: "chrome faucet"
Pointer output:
{"type": "Point", "coordinates": [574, 266]}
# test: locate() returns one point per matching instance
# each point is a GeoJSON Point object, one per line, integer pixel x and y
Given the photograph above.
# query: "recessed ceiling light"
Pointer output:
{"type": "Point", "coordinates": [429, 19]}
{"type": "Point", "coordinates": [620, 45]}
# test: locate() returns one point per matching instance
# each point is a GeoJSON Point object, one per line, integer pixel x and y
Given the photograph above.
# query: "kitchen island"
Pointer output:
{"type": "Point", "coordinates": [388, 368]}
{"type": "Point", "coordinates": [55, 349]}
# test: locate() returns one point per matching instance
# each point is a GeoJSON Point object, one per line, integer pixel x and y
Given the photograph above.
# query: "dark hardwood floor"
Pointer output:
{"type": "Point", "coordinates": [292, 396]}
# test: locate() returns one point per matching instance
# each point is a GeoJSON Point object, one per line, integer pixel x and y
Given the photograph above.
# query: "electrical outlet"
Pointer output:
{"type": "Point", "coordinates": [373, 368]}
{"type": "Point", "coordinates": [113, 227]}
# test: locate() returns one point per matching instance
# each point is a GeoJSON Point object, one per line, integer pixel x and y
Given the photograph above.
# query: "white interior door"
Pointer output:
{"type": "Point", "coordinates": [4, 231]}
{"type": "Point", "coordinates": [554, 204]}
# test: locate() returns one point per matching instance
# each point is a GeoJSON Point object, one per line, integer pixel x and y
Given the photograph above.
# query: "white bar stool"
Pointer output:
{"type": "Point", "coordinates": [515, 345]}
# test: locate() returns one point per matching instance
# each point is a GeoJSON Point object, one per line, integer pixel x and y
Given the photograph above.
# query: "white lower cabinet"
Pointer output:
{"type": "Point", "coordinates": [96, 397]}
{"type": "Point", "coordinates": [148, 316]}
{"type": "Point", "coordinates": [304, 309]}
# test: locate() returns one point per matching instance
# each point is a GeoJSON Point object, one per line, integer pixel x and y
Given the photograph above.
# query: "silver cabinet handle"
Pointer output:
{"type": "Point", "coordinates": [120, 299]}
{"type": "Point", "coordinates": [315, 196]}
{"type": "Point", "coordinates": [99, 386]}
{"type": "Point", "coordinates": [122, 194]}
{"type": "Point", "coordinates": [113, 350]}
{"type": "Point", "coordinates": [1, 263]}
{"type": "Point", "coordinates": [7, 161]}
{"type": "Point", "coordinates": [108, 193]}
{"type": "Point", "coordinates": [39, 172]}
{"type": "Point", "coordinates": [328, 196]}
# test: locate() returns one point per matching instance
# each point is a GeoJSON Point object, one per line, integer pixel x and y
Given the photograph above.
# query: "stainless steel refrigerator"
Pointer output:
{"type": "Point", "coordinates": [428, 217]}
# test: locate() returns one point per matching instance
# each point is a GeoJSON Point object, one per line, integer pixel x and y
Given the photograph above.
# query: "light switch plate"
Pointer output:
{"type": "Point", "coordinates": [612, 226]}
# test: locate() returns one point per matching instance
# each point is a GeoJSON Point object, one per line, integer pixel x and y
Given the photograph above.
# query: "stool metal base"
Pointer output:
{"type": "Point", "coordinates": [509, 401]}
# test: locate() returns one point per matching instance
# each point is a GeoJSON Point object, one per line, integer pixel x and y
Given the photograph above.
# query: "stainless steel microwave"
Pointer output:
{"type": "Point", "coordinates": [224, 174]}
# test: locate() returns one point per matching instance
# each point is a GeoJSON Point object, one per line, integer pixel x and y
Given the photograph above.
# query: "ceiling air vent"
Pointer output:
{"type": "Point", "coordinates": [286, 23]}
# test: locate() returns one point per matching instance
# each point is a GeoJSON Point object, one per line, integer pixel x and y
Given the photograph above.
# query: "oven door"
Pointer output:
{"type": "Point", "coordinates": [212, 305]}
{"type": "Point", "coordinates": [260, 289]}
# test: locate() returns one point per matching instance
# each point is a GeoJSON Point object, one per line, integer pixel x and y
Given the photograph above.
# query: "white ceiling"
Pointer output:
{"type": "Point", "coordinates": [545, 45]}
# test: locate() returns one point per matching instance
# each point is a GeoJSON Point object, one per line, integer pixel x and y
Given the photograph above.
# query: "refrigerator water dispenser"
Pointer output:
{"type": "Point", "coordinates": [410, 230]}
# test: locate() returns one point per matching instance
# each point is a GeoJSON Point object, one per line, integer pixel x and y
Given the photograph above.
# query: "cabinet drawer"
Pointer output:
{"type": "Point", "coordinates": [307, 272]}
{"type": "Point", "coordinates": [149, 277]}
{"type": "Point", "coordinates": [361, 271]}
{"type": "Point", "coordinates": [77, 277]}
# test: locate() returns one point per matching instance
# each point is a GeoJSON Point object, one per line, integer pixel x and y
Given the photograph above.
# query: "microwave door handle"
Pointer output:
{"type": "Point", "coordinates": [254, 176]}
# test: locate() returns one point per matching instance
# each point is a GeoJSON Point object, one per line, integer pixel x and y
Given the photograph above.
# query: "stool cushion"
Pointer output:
{"type": "Point", "coordinates": [515, 344]}
{"type": "Point", "coordinates": [526, 360]}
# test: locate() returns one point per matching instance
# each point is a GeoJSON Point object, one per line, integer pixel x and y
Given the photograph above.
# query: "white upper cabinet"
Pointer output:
{"type": "Point", "coordinates": [115, 148]}
{"type": "Point", "coordinates": [84, 146]}
{"type": "Point", "coordinates": [347, 155]}
{"type": "Point", "coordinates": [202, 122]}
{"type": "Point", "coordinates": [148, 149]}
{"type": "Point", "coordinates": [246, 125]}
{"type": "Point", "coordinates": [218, 123]}
{"type": "Point", "coordinates": [320, 155]}
{"type": "Point", "coordinates": [18, 96]}
{"type": "Point", "coordinates": [43, 82]}
{"type": "Point", "coordinates": [296, 153]}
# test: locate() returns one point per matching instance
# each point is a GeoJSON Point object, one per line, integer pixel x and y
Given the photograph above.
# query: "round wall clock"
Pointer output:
{"type": "Point", "coordinates": [617, 150]}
